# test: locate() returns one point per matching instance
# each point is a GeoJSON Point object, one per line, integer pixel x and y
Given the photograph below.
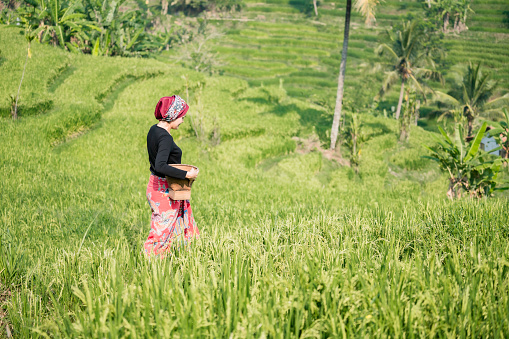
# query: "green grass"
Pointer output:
{"type": "Point", "coordinates": [292, 244]}
{"type": "Point", "coordinates": [252, 72]}
{"type": "Point", "coordinates": [313, 44]}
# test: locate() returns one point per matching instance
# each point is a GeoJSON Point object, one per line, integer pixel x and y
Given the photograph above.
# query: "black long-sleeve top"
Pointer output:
{"type": "Point", "coordinates": [162, 151]}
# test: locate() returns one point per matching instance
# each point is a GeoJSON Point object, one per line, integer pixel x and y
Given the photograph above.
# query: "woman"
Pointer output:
{"type": "Point", "coordinates": [172, 222]}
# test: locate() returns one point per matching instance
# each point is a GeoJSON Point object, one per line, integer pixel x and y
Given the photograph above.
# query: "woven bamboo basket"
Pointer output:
{"type": "Point", "coordinates": [180, 189]}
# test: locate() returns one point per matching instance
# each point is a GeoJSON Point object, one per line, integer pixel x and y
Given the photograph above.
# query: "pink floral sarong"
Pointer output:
{"type": "Point", "coordinates": [172, 224]}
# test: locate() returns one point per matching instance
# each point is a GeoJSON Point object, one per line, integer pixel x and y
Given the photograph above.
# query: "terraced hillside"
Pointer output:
{"type": "Point", "coordinates": [281, 40]}
{"type": "Point", "coordinates": [292, 244]}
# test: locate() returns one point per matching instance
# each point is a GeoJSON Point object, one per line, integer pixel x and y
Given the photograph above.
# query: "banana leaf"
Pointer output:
{"type": "Point", "coordinates": [60, 35]}
{"type": "Point", "coordinates": [458, 140]}
{"type": "Point", "coordinates": [73, 48]}
{"type": "Point", "coordinates": [496, 131]}
{"type": "Point", "coordinates": [133, 40]}
{"type": "Point", "coordinates": [445, 135]}
{"type": "Point", "coordinates": [474, 147]}
{"type": "Point", "coordinates": [95, 51]}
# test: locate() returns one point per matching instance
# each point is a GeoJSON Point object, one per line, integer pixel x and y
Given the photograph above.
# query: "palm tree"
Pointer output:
{"type": "Point", "coordinates": [406, 55]}
{"type": "Point", "coordinates": [367, 9]}
{"type": "Point", "coordinates": [29, 36]}
{"type": "Point", "coordinates": [472, 98]}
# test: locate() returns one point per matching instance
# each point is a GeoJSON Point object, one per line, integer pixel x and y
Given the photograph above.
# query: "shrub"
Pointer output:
{"type": "Point", "coordinates": [470, 169]}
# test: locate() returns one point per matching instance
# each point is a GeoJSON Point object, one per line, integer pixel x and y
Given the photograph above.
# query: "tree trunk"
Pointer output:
{"type": "Point", "coordinates": [341, 80]}
{"type": "Point", "coordinates": [429, 3]}
{"type": "Point", "coordinates": [316, 7]}
{"type": "Point", "coordinates": [452, 191]}
{"type": "Point", "coordinates": [354, 142]}
{"type": "Point", "coordinates": [41, 25]}
{"type": "Point", "coordinates": [470, 123]}
{"type": "Point", "coordinates": [417, 108]}
{"type": "Point", "coordinates": [446, 22]}
{"type": "Point", "coordinates": [15, 113]}
{"type": "Point", "coordinates": [164, 7]}
{"type": "Point", "coordinates": [405, 121]}
{"type": "Point", "coordinates": [400, 102]}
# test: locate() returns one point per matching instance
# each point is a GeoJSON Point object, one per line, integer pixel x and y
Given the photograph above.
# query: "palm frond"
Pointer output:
{"type": "Point", "coordinates": [493, 114]}
{"type": "Point", "coordinates": [382, 49]}
{"type": "Point", "coordinates": [449, 113]}
{"type": "Point", "coordinates": [417, 84]}
{"type": "Point", "coordinates": [446, 99]}
{"type": "Point", "coordinates": [390, 79]}
{"type": "Point", "coordinates": [367, 9]}
{"type": "Point", "coordinates": [498, 103]}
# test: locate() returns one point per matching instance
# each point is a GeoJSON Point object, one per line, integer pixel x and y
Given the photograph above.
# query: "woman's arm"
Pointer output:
{"type": "Point", "coordinates": [163, 153]}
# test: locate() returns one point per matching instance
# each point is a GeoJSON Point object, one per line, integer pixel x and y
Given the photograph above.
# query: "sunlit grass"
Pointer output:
{"type": "Point", "coordinates": [292, 245]}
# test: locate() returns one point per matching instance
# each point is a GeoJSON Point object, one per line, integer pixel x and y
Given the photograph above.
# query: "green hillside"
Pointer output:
{"type": "Point", "coordinates": [275, 39]}
{"type": "Point", "coordinates": [293, 242]}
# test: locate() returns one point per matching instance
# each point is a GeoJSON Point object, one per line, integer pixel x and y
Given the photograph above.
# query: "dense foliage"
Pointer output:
{"type": "Point", "coordinates": [449, 15]}
{"type": "Point", "coordinates": [110, 27]}
{"type": "Point", "coordinates": [470, 170]}
{"type": "Point", "coordinates": [473, 97]}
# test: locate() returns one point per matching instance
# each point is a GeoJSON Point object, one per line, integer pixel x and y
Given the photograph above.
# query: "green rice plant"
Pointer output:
{"type": "Point", "coordinates": [256, 72]}
{"type": "Point", "coordinates": [284, 42]}
{"type": "Point", "coordinates": [59, 77]}
{"type": "Point", "coordinates": [242, 133]}
{"type": "Point", "coordinates": [364, 37]}
{"type": "Point", "coordinates": [66, 124]}
{"type": "Point", "coordinates": [311, 73]}
{"type": "Point", "coordinates": [278, 26]}
{"type": "Point", "coordinates": [276, 56]}
{"type": "Point", "coordinates": [311, 81]}
{"type": "Point", "coordinates": [272, 9]}
{"type": "Point", "coordinates": [487, 19]}
{"type": "Point", "coordinates": [278, 147]}
{"type": "Point", "coordinates": [357, 44]}
{"type": "Point", "coordinates": [122, 78]}
{"type": "Point", "coordinates": [409, 159]}
{"type": "Point", "coordinates": [295, 50]}
{"type": "Point", "coordinates": [252, 33]}
{"type": "Point", "coordinates": [292, 244]}
{"type": "Point", "coordinates": [489, 29]}
{"type": "Point", "coordinates": [486, 62]}
{"type": "Point", "coordinates": [486, 11]}
{"type": "Point", "coordinates": [232, 61]}
{"type": "Point", "coordinates": [285, 33]}
{"type": "Point", "coordinates": [495, 57]}
{"type": "Point", "coordinates": [254, 53]}
{"type": "Point", "coordinates": [458, 46]}
{"type": "Point", "coordinates": [27, 110]}
{"type": "Point", "coordinates": [11, 263]}
{"type": "Point", "coordinates": [286, 2]}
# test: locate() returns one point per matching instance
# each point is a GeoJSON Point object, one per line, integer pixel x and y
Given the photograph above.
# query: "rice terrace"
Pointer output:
{"type": "Point", "coordinates": [349, 168]}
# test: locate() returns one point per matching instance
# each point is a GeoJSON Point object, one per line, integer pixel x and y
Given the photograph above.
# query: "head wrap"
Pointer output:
{"type": "Point", "coordinates": [171, 108]}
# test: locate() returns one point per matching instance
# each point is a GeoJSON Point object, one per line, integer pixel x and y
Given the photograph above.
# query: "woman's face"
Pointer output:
{"type": "Point", "coordinates": [176, 123]}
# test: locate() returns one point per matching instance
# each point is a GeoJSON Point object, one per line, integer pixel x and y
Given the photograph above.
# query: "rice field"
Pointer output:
{"type": "Point", "coordinates": [292, 244]}
{"type": "Point", "coordinates": [288, 31]}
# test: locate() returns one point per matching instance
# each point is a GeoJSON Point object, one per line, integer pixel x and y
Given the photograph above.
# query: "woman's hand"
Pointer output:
{"type": "Point", "coordinates": [192, 174]}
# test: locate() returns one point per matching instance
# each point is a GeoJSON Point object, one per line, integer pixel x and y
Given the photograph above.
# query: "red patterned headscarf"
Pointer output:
{"type": "Point", "coordinates": [171, 108]}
